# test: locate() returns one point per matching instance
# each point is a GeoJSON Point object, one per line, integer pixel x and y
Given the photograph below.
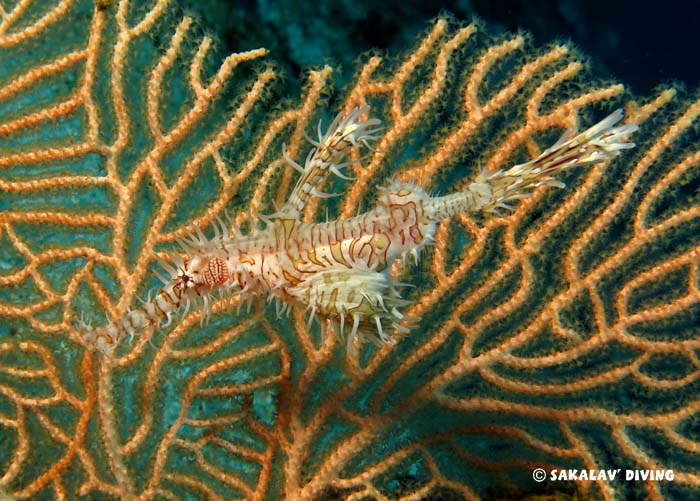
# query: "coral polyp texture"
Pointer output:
{"type": "Point", "coordinates": [559, 333]}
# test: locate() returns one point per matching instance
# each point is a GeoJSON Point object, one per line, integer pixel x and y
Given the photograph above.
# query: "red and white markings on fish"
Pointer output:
{"type": "Point", "coordinates": [338, 270]}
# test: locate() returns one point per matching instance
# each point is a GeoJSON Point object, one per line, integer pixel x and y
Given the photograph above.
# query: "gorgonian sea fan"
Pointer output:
{"type": "Point", "coordinates": [560, 335]}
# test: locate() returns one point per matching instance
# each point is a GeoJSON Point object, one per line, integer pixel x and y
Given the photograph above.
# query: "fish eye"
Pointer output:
{"type": "Point", "coordinates": [185, 278]}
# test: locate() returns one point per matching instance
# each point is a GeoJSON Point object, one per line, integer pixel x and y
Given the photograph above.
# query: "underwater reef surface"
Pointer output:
{"type": "Point", "coordinates": [562, 335]}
